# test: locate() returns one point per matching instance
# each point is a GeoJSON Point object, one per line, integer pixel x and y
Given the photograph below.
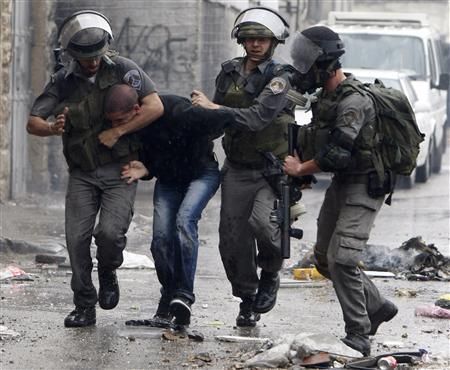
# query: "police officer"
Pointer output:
{"type": "Point", "coordinates": [254, 89]}
{"type": "Point", "coordinates": [95, 153]}
{"type": "Point", "coordinates": [340, 140]}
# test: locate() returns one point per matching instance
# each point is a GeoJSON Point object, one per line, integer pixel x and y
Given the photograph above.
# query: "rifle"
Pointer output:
{"type": "Point", "coordinates": [288, 193]}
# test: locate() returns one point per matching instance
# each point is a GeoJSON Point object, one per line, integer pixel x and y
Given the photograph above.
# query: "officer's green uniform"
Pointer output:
{"type": "Point", "coordinates": [94, 170]}
{"type": "Point", "coordinates": [261, 112]}
{"type": "Point", "coordinates": [343, 137]}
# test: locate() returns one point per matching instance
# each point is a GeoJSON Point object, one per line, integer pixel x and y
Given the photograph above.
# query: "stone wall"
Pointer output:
{"type": "Point", "coordinates": [181, 48]}
{"type": "Point", "coordinates": [5, 59]}
{"type": "Point", "coordinates": [44, 169]}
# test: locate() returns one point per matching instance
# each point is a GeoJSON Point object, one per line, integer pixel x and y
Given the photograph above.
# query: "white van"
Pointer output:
{"type": "Point", "coordinates": [403, 42]}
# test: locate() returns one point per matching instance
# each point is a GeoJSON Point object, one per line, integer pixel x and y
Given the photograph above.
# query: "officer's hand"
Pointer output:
{"type": "Point", "coordinates": [57, 127]}
{"type": "Point", "coordinates": [200, 100]}
{"type": "Point", "coordinates": [109, 137]}
{"type": "Point", "coordinates": [134, 171]}
{"type": "Point", "coordinates": [292, 165]}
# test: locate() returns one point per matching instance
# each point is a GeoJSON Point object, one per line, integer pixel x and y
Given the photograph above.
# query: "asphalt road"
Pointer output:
{"type": "Point", "coordinates": [35, 309]}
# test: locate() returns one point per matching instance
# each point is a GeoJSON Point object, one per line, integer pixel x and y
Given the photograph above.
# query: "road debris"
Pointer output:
{"type": "Point", "coordinates": [240, 339]}
{"type": "Point", "coordinates": [15, 273]}
{"type": "Point", "coordinates": [6, 333]}
{"type": "Point", "coordinates": [432, 311]}
{"type": "Point", "coordinates": [300, 348]}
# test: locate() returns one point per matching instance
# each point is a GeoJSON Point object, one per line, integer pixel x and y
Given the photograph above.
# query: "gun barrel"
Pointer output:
{"type": "Point", "coordinates": [286, 240]}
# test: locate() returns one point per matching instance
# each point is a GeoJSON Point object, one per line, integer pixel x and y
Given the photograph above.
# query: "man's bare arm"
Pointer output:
{"type": "Point", "coordinates": [151, 109]}
{"type": "Point", "coordinates": [41, 127]}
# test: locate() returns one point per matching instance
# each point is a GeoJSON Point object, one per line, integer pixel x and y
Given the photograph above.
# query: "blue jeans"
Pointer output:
{"type": "Point", "coordinates": [177, 210]}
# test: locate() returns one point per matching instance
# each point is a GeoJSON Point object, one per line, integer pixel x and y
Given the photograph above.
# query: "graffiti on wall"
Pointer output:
{"type": "Point", "coordinates": [164, 57]}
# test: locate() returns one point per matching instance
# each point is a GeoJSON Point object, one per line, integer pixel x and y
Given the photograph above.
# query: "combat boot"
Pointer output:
{"type": "Point", "coordinates": [266, 296]}
{"type": "Point", "coordinates": [108, 294]}
{"type": "Point", "coordinates": [80, 317]}
{"type": "Point", "coordinates": [386, 313]}
{"type": "Point", "coordinates": [246, 316]}
{"type": "Point", "coordinates": [358, 342]}
{"type": "Point", "coordinates": [161, 319]}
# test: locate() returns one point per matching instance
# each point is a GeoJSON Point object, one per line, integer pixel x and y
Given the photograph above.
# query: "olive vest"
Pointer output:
{"type": "Point", "coordinates": [314, 137]}
{"type": "Point", "coordinates": [85, 120]}
{"type": "Point", "coordinates": [246, 147]}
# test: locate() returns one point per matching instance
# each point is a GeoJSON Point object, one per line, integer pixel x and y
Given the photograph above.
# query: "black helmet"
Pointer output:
{"type": "Point", "coordinates": [85, 34]}
{"type": "Point", "coordinates": [315, 44]}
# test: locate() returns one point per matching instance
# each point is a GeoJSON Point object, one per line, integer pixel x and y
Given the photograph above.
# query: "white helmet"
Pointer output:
{"type": "Point", "coordinates": [85, 34]}
{"type": "Point", "coordinates": [260, 21]}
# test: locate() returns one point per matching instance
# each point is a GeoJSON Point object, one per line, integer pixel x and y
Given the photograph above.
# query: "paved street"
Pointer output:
{"type": "Point", "coordinates": [36, 309]}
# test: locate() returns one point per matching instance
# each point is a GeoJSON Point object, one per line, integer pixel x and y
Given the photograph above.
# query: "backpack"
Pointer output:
{"type": "Point", "coordinates": [398, 133]}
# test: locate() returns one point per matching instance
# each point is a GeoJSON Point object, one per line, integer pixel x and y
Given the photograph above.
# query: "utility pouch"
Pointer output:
{"type": "Point", "coordinates": [377, 187]}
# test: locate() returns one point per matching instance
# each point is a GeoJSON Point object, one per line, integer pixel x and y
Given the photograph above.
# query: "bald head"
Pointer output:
{"type": "Point", "coordinates": [120, 98]}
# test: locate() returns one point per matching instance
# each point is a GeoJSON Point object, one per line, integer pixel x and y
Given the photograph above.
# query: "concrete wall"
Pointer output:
{"type": "Point", "coordinates": [5, 89]}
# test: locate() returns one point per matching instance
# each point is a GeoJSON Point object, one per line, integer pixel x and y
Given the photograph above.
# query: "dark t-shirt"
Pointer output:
{"type": "Point", "coordinates": [179, 145]}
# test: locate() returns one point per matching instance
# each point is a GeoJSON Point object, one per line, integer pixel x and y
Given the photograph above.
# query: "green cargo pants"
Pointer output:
{"type": "Point", "coordinates": [343, 227]}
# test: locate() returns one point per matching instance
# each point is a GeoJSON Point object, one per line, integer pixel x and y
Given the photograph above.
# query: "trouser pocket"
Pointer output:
{"type": "Point", "coordinates": [350, 251]}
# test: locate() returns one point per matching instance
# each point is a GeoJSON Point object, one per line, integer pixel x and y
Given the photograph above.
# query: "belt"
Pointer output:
{"type": "Point", "coordinates": [245, 166]}
{"type": "Point", "coordinates": [352, 179]}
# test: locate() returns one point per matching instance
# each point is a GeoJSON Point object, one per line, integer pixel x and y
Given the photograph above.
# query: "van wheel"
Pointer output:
{"type": "Point", "coordinates": [406, 182]}
{"type": "Point", "coordinates": [424, 172]}
{"type": "Point", "coordinates": [437, 158]}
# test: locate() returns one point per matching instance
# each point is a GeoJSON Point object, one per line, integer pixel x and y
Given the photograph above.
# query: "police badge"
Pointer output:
{"type": "Point", "coordinates": [277, 85]}
{"type": "Point", "coordinates": [133, 78]}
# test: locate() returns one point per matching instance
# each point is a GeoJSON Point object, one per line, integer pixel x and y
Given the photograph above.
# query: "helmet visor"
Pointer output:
{"type": "Point", "coordinates": [81, 22]}
{"type": "Point", "coordinates": [264, 17]}
{"type": "Point", "coordinates": [304, 53]}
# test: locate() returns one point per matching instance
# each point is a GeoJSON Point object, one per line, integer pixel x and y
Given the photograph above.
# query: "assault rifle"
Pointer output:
{"type": "Point", "coordinates": [288, 194]}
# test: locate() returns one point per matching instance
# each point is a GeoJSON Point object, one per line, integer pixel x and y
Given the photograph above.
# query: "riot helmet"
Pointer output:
{"type": "Point", "coordinates": [315, 54]}
{"type": "Point", "coordinates": [260, 21]}
{"type": "Point", "coordinates": [85, 34]}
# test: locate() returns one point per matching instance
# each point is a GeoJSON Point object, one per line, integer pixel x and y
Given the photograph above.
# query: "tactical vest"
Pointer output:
{"type": "Point", "coordinates": [313, 137]}
{"type": "Point", "coordinates": [245, 147]}
{"type": "Point", "coordinates": [85, 120]}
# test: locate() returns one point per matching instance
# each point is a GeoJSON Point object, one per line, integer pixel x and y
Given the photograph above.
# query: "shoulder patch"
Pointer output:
{"type": "Point", "coordinates": [350, 117]}
{"type": "Point", "coordinates": [133, 78]}
{"type": "Point", "coordinates": [277, 85]}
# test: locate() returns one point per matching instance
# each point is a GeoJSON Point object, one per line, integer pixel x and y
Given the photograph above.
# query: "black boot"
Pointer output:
{"type": "Point", "coordinates": [163, 310]}
{"type": "Point", "coordinates": [80, 317]}
{"type": "Point", "coordinates": [386, 313]}
{"type": "Point", "coordinates": [358, 342]}
{"type": "Point", "coordinates": [161, 319]}
{"type": "Point", "coordinates": [246, 317]}
{"type": "Point", "coordinates": [108, 294]}
{"type": "Point", "coordinates": [267, 292]}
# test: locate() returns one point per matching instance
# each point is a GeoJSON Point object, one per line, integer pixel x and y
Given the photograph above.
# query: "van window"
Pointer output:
{"type": "Point", "coordinates": [401, 53]}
